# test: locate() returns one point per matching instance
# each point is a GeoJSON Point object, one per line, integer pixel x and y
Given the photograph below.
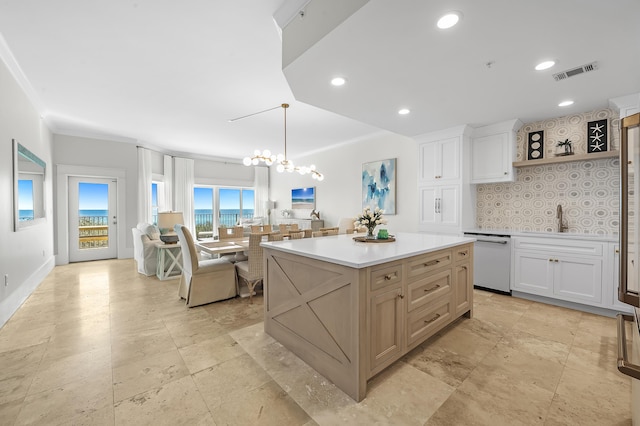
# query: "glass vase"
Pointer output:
{"type": "Point", "coordinates": [370, 235]}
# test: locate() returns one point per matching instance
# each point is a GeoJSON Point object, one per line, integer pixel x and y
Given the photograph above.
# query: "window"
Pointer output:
{"type": "Point", "coordinates": [203, 211]}
{"type": "Point", "coordinates": [154, 203]}
{"type": "Point", "coordinates": [215, 206]}
{"type": "Point", "coordinates": [157, 198]}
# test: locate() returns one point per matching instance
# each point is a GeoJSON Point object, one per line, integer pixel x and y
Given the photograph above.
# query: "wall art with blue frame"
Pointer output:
{"type": "Point", "coordinates": [379, 185]}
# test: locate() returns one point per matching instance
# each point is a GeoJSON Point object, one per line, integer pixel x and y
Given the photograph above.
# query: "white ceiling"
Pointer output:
{"type": "Point", "coordinates": [169, 75]}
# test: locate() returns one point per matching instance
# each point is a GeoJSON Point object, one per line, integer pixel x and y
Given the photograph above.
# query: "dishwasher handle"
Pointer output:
{"type": "Point", "coordinates": [492, 241]}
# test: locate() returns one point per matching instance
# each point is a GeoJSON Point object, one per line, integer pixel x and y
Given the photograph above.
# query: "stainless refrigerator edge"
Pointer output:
{"type": "Point", "coordinates": [629, 363]}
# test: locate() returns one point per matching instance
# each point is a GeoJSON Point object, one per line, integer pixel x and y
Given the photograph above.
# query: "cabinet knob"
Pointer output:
{"type": "Point", "coordinates": [401, 296]}
{"type": "Point", "coordinates": [617, 251]}
{"type": "Point", "coordinates": [388, 277]}
{"type": "Point", "coordinates": [550, 260]}
{"type": "Point", "coordinates": [505, 173]}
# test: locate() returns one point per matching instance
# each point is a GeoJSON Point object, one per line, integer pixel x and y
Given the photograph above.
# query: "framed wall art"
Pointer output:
{"type": "Point", "coordinates": [535, 145]}
{"type": "Point", "coordinates": [379, 185]}
{"type": "Point", "coordinates": [597, 134]}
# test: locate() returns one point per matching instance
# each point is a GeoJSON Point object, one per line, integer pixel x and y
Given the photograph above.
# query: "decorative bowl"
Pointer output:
{"type": "Point", "coordinates": [169, 238]}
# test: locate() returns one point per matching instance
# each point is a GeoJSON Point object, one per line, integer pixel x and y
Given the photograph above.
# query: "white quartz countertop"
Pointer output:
{"type": "Point", "coordinates": [541, 234]}
{"type": "Point", "coordinates": [343, 250]}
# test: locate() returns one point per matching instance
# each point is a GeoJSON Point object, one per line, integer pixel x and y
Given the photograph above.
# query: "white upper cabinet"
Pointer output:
{"type": "Point", "coordinates": [440, 161]}
{"type": "Point", "coordinates": [493, 150]}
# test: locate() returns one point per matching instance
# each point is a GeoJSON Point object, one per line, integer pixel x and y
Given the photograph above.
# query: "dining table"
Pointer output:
{"type": "Point", "coordinates": [229, 245]}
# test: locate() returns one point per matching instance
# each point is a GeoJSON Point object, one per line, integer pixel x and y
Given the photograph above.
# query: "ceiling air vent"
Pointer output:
{"type": "Point", "coordinates": [575, 71]}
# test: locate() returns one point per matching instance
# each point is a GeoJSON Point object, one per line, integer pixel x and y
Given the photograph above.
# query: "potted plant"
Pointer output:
{"type": "Point", "coordinates": [564, 147]}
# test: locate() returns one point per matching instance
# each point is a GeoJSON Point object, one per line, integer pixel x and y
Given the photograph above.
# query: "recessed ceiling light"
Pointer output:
{"type": "Point", "coordinates": [338, 81]}
{"type": "Point", "coordinates": [404, 111]}
{"type": "Point", "coordinates": [565, 103]}
{"type": "Point", "coordinates": [545, 65]}
{"type": "Point", "coordinates": [449, 20]}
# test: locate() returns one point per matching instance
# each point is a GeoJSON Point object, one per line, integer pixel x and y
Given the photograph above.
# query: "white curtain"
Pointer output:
{"type": "Point", "coordinates": [261, 190]}
{"type": "Point", "coordinates": [144, 186]}
{"type": "Point", "coordinates": [183, 190]}
{"type": "Point", "coordinates": [168, 182]}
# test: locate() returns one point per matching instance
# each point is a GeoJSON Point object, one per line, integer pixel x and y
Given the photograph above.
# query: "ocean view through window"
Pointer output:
{"type": "Point", "coordinates": [215, 207]}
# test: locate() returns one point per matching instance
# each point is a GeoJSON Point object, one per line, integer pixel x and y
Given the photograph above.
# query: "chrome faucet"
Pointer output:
{"type": "Point", "coordinates": [561, 226]}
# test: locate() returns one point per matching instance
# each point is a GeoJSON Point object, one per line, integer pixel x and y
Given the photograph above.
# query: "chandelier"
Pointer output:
{"type": "Point", "coordinates": [283, 164]}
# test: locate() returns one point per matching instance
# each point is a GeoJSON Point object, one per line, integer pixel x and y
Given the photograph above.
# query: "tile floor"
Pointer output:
{"type": "Point", "coordinates": [98, 343]}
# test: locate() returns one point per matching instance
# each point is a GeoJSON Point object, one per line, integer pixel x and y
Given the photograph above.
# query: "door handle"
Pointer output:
{"type": "Point", "coordinates": [624, 366]}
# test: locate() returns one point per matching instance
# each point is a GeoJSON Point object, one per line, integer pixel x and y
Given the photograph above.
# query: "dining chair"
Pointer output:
{"type": "Point", "coordinates": [225, 233]}
{"type": "Point", "coordinates": [346, 225]}
{"type": "Point", "coordinates": [251, 270]}
{"type": "Point", "coordinates": [315, 234]}
{"type": "Point", "coordinates": [296, 235]}
{"type": "Point", "coordinates": [287, 227]}
{"type": "Point", "coordinates": [203, 281]}
{"type": "Point", "coordinates": [274, 236]}
{"type": "Point", "coordinates": [308, 233]}
{"type": "Point", "coordinates": [332, 230]}
{"type": "Point", "coordinates": [261, 229]}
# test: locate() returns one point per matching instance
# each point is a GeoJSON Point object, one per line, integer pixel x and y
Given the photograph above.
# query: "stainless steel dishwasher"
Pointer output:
{"type": "Point", "coordinates": [492, 261]}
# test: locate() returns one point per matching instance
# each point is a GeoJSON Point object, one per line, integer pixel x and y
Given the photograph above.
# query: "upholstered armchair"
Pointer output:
{"type": "Point", "coordinates": [145, 249]}
{"type": "Point", "coordinates": [203, 281]}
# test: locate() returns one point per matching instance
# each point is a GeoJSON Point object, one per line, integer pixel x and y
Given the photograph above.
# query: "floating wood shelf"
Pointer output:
{"type": "Point", "coordinates": [567, 158]}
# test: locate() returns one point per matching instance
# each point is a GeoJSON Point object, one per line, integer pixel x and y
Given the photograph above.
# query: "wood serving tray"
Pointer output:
{"type": "Point", "coordinates": [374, 240]}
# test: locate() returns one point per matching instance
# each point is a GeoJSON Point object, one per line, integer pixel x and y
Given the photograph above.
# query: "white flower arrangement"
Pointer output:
{"type": "Point", "coordinates": [286, 213]}
{"type": "Point", "coordinates": [370, 219]}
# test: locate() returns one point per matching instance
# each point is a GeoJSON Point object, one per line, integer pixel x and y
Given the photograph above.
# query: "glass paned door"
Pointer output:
{"type": "Point", "coordinates": [203, 211]}
{"type": "Point", "coordinates": [92, 219]}
{"type": "Point", "coordinates": [229, 212]}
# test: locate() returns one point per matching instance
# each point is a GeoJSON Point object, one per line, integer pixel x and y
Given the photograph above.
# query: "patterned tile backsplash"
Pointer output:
{"type": "Point", "coordinates": [587, 190]}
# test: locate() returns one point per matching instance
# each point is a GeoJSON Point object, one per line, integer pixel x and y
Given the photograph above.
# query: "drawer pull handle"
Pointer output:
{"type": "Point", "coordinates": [432, 263]}
{"type": "Point", "coordinates": [427, 290]}
{"type": "Point", "coordinates": [463, 267]}
{"type": "Point", "coordinates": [432, 319]}
{"type": "Point", "coordinates": [462, 253]}
{"type": "Point", "coordinates": [401, 296]}
{"type": "Point", "coordinates": [388, 277]}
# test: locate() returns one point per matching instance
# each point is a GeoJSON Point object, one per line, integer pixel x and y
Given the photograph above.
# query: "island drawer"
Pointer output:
{"type": "Point", "coordinates": [386, 276]}
{"type": "Point", "coordinates": [424, 323]}
{"type": "Point", "coordinates": [428, 262]}
{"type": "Point", "coordinates": [429, 288]}
{"type": "Point", "coordinates": [462, 253]}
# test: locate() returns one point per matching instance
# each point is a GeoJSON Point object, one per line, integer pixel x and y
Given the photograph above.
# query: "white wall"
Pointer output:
{"type": "Point", "coordinates": [340, 194]}
{"type": "Point", "coordinates": [85, 154]}
{"type": "Point", "coordinates": [26, 256]}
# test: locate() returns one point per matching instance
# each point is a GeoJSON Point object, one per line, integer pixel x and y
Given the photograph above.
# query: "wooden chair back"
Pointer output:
{"type": "Point", "coordinates": [260, 229]}
{"type": "Point", "coordinates": [296, 235]}
{"type": "Point", "coordinates": [287, 227]}
{"type": "Point", "coordinates": [227, 233]}
{"type": "Point", "coordinates": [274, 236]}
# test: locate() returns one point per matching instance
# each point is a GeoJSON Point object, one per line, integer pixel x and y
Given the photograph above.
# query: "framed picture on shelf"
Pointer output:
{"type": "Point", "coordinates": [535, 145]}
{"type": "Point", "coordinates": [597, 135]}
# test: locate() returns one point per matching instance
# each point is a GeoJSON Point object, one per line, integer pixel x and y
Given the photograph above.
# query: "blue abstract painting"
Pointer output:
{"type": "Point", "coordinates": [379, 185]}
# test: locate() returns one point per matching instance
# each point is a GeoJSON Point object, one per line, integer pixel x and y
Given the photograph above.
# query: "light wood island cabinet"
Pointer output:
{"type": "Point", "coordinates": [351, 309]}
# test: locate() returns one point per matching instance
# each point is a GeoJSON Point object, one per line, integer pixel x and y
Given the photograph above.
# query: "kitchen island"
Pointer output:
{"type": "Point", "coordinates": [350, 309]}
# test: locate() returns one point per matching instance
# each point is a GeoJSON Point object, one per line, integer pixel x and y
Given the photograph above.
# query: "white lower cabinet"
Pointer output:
{"type": "Point", "coordinates": [571, 270]}
{"type": "Point", "coordinates": [578, 279]}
